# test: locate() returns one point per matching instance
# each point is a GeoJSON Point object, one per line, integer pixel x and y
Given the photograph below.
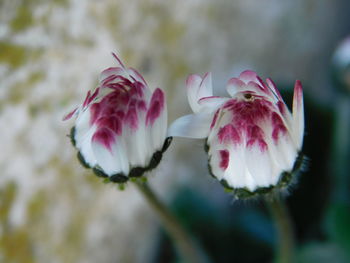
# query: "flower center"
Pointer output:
{"type": "Point", "coordinates": [248, 97]}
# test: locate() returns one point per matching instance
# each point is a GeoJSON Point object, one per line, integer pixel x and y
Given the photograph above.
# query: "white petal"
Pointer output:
{"type": "Point", "coordinates": [139, 144]}
{"type": "Point", "coordinates": [210, 104]}
{"type": "Point", "coordinates": [112, 71]}
{"type": "Point", "coordinates": [234, 85]}
{"type": "Point", "coordinates": [192, 126]}
{"type": "Point", "coordinates": [83, 143]}
{"type": "Point", "coordinates": [206, 87]}
{"type": "Point", "coordinates": [285, 114]}
{"type": "Point", "coordinates": [113, 160]}
{"type": "Point", "coordinates": [248, 168]}
{"type": "Point", "coordinates": [192, 83]}
{"type": "Point", "coordinates": [287, 151]}
{"type": "Point", "coordinates": [273, 89]}
{"type": "Point", "coordinates": [259, 166]}
{"type": "Point", "coordinates": [237, 174]}
{"type": "Point", "coordinates": [283, 155]}
{"type": "Point", "coordinates": [298, 114]}
{"type": "Point", "coordinates": [159, 130]}
{"type": "Point", "coordinates": [198, 88]}
{"type": "Point", "coordinates": [223, 118]}
{"type": "Point", "coordinates": [136, 75]}
{"type": "Point", "coordinates": [214, 161]}
{"type": "Point", "coordinates": [282, 152]}
{"type": "Point", "coordinates": [82, 123]}
{"type": "Point", "coordinates": [156, 119]}
{"type": "Point", "coordinates": [83, 135]}
{"type": "Point", "coordinates": [248, 75]}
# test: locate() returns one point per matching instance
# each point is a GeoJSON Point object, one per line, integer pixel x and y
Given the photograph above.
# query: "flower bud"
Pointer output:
{"type": "Point", "coordinates": [120, 129]}
{"type": "Point", "coordinates": [252, 140]}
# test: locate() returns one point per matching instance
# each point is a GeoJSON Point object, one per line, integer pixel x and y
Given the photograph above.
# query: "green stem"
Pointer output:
{"type": "Point", "coordinates": [186, 246]}
{"type": "Point", "coordinates": [279, 211]}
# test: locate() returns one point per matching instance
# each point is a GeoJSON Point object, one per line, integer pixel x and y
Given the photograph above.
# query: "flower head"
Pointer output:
{"type": "Point", "coordinates": [120, 129]}
{"type": "Point", "coordinates": [252, 139]}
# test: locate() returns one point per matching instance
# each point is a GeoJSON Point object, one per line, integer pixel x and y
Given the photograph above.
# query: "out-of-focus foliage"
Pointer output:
{"type": "Point", "coordinates": [338, 226]}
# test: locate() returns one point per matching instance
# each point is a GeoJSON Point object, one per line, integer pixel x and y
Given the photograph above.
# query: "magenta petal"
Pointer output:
{"type": "Point", "coordinates": [131, 118]}
{"type": "Point", "coordinates": [112, 122]}
{"type": "Point", "coordinates": [104, 136]}
{"type": "Point", "coordinates": [298, 113]}
{"type": "Point", "coordinates": [141, 105]}
{"type": "Point", "coordinates": [212, 103]}
{"type": "Point", "coordinates": [215, 118]}
{"type": "Point", "coordinates": [156, 106]}
{"type": "Point", "coordinates": [119, 61]}
{"type": "Point", "coordinates": [224, 159]}
{"type": "Point", "coordinates": [229, 134]}
{"type": "Point", "coordinates": [95, 110]}
{"type": "Point", "coordinates": [87, 99]}
{"type": "Point", "coordinates": [93, 96]}
{"type": "Point", "coordinates": [261, 82]}
{"type": "Point", "coordinates": [298, 94]}
{"type": "Point", "coordinates": [278, 127]}
{"type": "Point", "coordinates": [282, 107]}
{"type": "Point", "coordinates": [206, 99]}
{"type": "Point", "coordinates": [254, 133]}
{"type": "Point", "coordinates": [260, 143]}
{"type": "Point", "coordinates": [69, 115]}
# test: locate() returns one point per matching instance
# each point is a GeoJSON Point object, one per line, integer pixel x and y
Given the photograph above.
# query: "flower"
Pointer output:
{"type": "Point", "coordinates": [120, 129]}
{"type": "Point", "coordinates": [253, 141]}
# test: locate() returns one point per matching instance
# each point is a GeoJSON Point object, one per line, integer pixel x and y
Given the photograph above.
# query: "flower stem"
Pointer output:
{"type": "Point", "coordinates": [187, 248]}
{"type": "Point", "coordinates": [279, 211]}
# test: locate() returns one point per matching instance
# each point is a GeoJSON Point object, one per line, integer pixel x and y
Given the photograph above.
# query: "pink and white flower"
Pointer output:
{"type": "Point", "coordinates": [120, 129]}
{"type": "Point", "coordinates": [252, 139]}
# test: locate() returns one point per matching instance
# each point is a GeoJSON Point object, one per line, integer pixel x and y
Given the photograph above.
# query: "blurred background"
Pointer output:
{"type": "Point", "coordinates": [51, 52]}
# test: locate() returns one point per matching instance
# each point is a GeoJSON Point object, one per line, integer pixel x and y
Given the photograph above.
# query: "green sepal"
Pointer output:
{"type": "Point", "coordinates": [71, 136]}
{"type": "Point", "coordinates": [121, 186]}
{"type": "Point", "coordinates": [82, 160]}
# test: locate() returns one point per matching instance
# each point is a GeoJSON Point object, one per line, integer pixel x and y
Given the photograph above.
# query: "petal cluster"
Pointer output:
{"type": "Point", "coordinates": [120, 129]}
{"type": "Point", "coordinates": [252, 139]}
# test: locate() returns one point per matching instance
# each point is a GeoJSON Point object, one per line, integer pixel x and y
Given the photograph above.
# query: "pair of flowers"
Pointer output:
{"type": "Point", "coordinates": [252, 139]}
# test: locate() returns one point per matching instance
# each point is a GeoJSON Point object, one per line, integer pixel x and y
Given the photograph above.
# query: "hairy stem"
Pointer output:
{"type": "Point", "coordinates": [185, 245]}
{"type": "Point", "coordinates": [279, 211]}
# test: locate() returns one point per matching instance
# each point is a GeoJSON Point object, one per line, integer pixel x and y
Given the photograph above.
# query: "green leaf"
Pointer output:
{"type": "Point", "coordinates": [338, 223]}
{"type": "Point", "coordinates": [321, 253]}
